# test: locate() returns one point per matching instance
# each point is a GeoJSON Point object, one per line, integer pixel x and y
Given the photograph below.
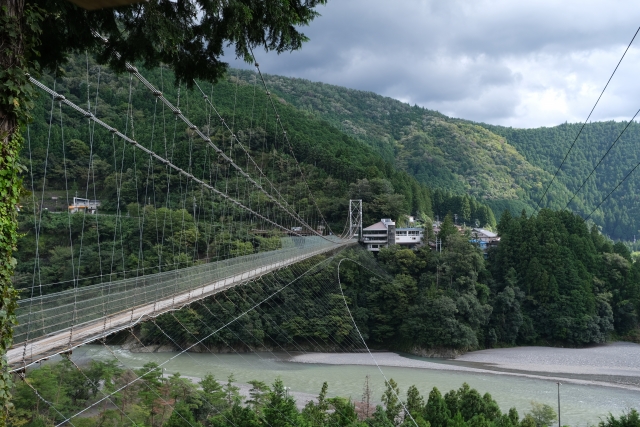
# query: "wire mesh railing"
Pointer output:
{"type": "Point", "coordinates": [53, 313]}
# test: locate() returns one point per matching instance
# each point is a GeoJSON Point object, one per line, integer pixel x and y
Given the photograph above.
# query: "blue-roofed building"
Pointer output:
{"type": "Point", "coordinates": [485, 239]}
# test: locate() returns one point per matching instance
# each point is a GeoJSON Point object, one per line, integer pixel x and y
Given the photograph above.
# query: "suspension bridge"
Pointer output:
{"type": "Point", "coordinates": [229, 180]}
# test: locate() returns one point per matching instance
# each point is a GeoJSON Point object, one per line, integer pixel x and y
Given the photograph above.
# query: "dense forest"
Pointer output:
{"type": "Point", "coordinates": [551, 281]}
{"type": "Point", "coordinates": [546, 147]}
{"type": "Point", "coordinates": [156, 218]}
{"type": "Point", "coordinates": [153, 219]}
{"type": "Point", "coordinates": [505, 168]}
{"type": "Point", "coordinates": [158, 400]}
{"type": "Point", "coordinates": [448, 154]}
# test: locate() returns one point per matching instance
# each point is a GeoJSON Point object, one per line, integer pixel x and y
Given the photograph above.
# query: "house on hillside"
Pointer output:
{"type": "Point", "coordinates": [84, 205]}
{"type": "Point", "coordinates": [410, 237]}
{"type": "Point", "coordinates": [379, 235]}
{"type": "Point", "coordinates": [384, 233]}
{"type": "Point", "coordinates": [484, 238]}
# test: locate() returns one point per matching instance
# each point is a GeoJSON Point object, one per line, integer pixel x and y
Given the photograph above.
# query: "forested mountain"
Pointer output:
{"type": "Point", "coordinates": [505, 168]}
{"type": "Point", "coordinates": [551, 280]}
{"type": "Point", "coordinates": [444, 153]}
{"type": "Point", "coordinates": [545, 147]}
{"type": "Point", "coordinates": [143, 194]}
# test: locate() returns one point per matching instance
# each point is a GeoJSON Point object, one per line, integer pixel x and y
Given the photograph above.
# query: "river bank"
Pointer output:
{"type": "Point", "coordinates": [584, 400]}
{"type": "Point", "coordinates": [610, 365]}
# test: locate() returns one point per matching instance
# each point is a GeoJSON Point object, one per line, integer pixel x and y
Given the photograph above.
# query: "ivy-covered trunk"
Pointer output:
{"type": "Point", "coordinates": [12, 80]}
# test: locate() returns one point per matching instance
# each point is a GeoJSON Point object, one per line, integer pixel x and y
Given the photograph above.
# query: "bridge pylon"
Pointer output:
{"type": "Point", "coordinates": [355, 218]}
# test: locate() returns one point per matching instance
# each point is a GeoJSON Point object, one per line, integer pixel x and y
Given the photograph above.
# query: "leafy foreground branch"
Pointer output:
{"type": "Point", "coordinates": [157, 400]}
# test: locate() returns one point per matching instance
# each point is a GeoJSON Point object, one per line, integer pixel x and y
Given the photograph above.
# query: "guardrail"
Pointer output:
{"type": "Point", "coordinates": [72, 317]}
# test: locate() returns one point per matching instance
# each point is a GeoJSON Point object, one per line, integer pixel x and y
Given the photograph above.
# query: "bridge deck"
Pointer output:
{"type": "Point", "coordinates": [55, 323]}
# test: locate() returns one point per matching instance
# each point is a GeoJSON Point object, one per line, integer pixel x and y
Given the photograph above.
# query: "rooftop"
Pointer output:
{"type": "Point", "coordinates": [485, 232]}
{"type": "Point", "coordinates": [376, 226]}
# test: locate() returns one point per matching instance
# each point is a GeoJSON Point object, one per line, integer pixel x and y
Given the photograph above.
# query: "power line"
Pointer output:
{"type": "Point", "coordinates": [602, 158]}
{"type": "Point", "coordinates": [611, 192]}
{"type": "Point", "coordinates": [586, 120]}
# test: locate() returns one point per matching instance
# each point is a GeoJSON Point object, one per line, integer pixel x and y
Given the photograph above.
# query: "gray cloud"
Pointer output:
{"type": "Point", "coordinates": [499, 61]}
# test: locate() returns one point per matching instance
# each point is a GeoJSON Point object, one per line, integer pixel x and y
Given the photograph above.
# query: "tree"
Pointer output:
{"type": "Point", "coordinates": [182, 416]}
{"type": "Point", "coordinates": [447, 228]}
{"type": "Point", "coordinates": [280, 409]}
{"type": "Point", "coordinates": [366, 397]}
{"type": "Point", "coordinates": [436, 411]}
{"type": "Point", "coordinates": [542, 414]}
{"type": "Point", "coordinates": [629, 419]}
{"type": "Point", "coordinates": [316, 414]}
{"type": "Point", "coordinates": [379, 418]}
{"type": "Point", "coordinates": [415, 402]}
{"type": "Point", "coordinates": [212, 394]}
{"type": "Point", "coordinates": [257, 395]}
{"type": "Point", "coordinates": [231, 392]}
{"type": "Point", "coordinates": [189, 36]}
{"type": "Point", "coordinates": [236, 416]}
{"type": "Point", "coordinates": [344, 413]}
{"type": "Point", "coordinates": [392, 403]}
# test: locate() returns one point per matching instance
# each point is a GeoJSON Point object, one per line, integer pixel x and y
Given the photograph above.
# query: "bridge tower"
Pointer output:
{"type": "Point", "coordinates": [355, 218]}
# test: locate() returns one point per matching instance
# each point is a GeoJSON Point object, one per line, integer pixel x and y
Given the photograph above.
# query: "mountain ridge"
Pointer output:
{"type": "Point", "coordinates": [507, 168]}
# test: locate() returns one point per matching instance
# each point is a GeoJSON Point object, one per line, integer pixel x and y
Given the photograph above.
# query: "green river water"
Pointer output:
{"type": "Point", "coordinates": [581, 404]}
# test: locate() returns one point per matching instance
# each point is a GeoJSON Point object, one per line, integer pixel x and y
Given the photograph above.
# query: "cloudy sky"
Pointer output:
{"type": "Point", "coordinates": [510, 62]}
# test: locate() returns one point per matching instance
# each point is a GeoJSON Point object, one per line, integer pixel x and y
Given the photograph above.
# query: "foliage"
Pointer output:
{"type": "Point", "coordinates": [557, 281]}
{"type": "Point", "coordinates": [171, 233]}
{"type": "Point", "coordinates": [391, 399]}
{"type": "Point", "coordinates": [10, 191]}
{"type": "Point", "coordinates": [190, 43]}
{"type": "Point", "coordinates": [158, 401]}
{"type": "Point", "coordinates": [449, 155]}
{"type": "Point", "coordinates": [546, 147]}
{"type": "Point", "coordinates": [504, 168]}
{"type": "Point", "coordinates": [629, 419]}
{"type": "Point", "coordinates": [542, 414]}
{"type": "Point", "coordinates": [18, 35]}
{"type": "Point", "coordinates": [37, 34]}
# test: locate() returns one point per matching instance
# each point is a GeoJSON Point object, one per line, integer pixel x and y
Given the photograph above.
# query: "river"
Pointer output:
{"type": "Point", "coordinates": [595, 381]}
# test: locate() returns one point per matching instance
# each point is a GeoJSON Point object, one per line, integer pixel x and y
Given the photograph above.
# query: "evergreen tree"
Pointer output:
{"type": "Point", "coordinates": [392, 403]}
{"type": "Point", "coordinates": [231, 392]}
{"type": "Point", "coordinates": [379, 418]}
{"type": "Point", "coordinates": [316, 413]}
{"type": "Point", "coordinates": [257, 395]}
{"type": "Point", "coordinates": [182, 416]}
{"type": "Point", "coordinates": [280, 408]}
{"type": "Point", "coordinates": [436, 411]}
{"type": "Point", "coordinates": [415, 402]}
{"type": "Point", "coordinates": [447, 228]}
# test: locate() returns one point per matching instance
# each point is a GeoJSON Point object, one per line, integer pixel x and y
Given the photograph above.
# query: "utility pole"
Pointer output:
{"type": "Point", "coordinates": [559, 424]}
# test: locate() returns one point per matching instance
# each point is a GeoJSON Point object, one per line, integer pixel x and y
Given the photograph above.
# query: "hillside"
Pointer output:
{"type": "Point", "coordinates": [444, 153]}
{"type": "Point", "coordinates": [546, 147]}
{"type": "Point", "coordinates": [337, 167]}
{"type": "Point", "coordinates": [553, 279]}
{"type": "Point", "coordinates": [504, 167]}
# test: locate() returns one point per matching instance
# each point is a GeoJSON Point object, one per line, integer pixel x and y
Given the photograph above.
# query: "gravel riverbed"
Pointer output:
{"type": "Point", "coordinates": [615, 365]}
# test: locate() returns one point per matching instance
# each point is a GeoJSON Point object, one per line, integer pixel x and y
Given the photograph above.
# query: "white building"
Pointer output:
{"type": "Point", "coordinates": [411, 236]}
{"type": "Point", "coordinates": [84, 205]}
{"type": "Point", "coordinates": [384, 233]}
{"type": "Point", "coordinates": [379, 235]}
